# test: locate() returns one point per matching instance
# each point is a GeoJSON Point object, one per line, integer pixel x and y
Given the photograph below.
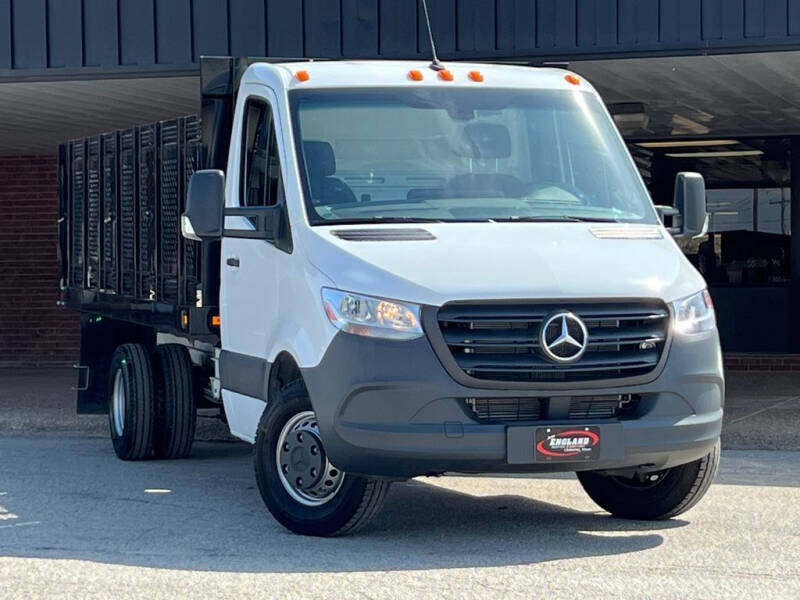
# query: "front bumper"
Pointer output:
{"type": "Point", "coordinates": [388, 408]}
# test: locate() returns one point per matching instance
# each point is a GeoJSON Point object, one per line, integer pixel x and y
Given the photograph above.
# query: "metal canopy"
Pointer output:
{"type": "Point", "coordinates": [739, 95]}
{"type": "Point", "coordinates": [36, 117]}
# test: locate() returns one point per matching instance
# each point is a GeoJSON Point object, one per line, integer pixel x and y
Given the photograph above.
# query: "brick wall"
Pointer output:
{"type": "Point", "coordinates": [762, 362]}
{"type": "Point", "coordinates": [33, 330]}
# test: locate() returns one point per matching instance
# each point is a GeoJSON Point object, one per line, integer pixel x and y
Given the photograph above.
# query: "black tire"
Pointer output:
{"type": "Point", "coordinates": [136, 416]}
{"type": "Point", "coordinates": [677, 490]}
{"type": "Point", "coordinates": [356, 502]}
{"type": "Point", "coordinates": [176, 409]}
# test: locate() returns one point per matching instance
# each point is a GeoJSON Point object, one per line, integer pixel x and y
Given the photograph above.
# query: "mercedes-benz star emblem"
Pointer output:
{"type": "Point", "coordinates": [563, 337]}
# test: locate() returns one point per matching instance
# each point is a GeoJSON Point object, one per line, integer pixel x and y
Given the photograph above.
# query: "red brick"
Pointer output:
{"type": "Point", "coordinates": [34, 330]}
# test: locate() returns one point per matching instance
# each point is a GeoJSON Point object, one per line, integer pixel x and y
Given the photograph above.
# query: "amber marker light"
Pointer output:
{"type": "Point", "coordinates": [476, 76]}
{"type": "Point", "coordinates": [302, 76]}
{"type": "Point", "coordinates": [446, 75]}
{"type": "Point", "coordinates": [215, 321]}
{"type": "Point", "coordinates": [573, 79]}
{"type": "Point", "coordinates": [415, 75]}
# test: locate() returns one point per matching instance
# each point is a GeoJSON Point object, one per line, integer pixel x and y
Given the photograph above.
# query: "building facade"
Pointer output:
{"type": "Point", "coordinates": [704, 85]}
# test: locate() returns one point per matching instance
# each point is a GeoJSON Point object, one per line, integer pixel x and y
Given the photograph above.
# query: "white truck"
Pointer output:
{"type": "Point", "coordinates": [394, 269]}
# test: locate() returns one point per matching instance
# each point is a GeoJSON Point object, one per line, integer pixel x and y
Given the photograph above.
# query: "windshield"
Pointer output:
{"type": "Point", "coordinates": [415, 155]}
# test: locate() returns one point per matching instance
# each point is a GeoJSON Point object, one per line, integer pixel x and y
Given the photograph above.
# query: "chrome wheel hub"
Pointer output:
{"type": "Point", "coordinates": [118, 402]}
{"type": "Point", "coordinates": [303, 467]}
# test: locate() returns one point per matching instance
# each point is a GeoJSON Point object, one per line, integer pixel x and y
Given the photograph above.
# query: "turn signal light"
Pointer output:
{"type": "Point", "coordinates": [215, 321]}
{"type": "Point", "coordinates": [415, 75]}
{"type": "Point", "coordinates": [476, 76]}
{"type": "Point", "coordinates": [573, 79]}
{"type": "Point", "coordinates": [302, 76]}
{"type": "Point", "coordinates": [445, 75]}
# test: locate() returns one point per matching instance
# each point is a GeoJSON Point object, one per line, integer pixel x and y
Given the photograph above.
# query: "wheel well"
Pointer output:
{"type": "Point", "coordinates": [100, 337]}
{"type": "Point", "coordinates": [284, 370]}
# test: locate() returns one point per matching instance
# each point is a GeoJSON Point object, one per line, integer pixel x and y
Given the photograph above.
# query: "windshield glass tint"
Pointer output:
{"type": "Point", "coordinates": [463, 155]}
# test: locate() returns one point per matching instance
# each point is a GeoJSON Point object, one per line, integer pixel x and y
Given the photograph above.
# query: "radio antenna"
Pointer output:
{"type": "Point", "coordinates": [435, 64]}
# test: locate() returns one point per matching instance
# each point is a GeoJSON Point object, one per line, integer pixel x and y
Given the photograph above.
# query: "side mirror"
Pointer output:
{"type": "Point", "coordinates": [688, 214]}
{"type": "Point", "coordinates": [203, 219]}
{"type": "Point", "coordinates": [690, 201]}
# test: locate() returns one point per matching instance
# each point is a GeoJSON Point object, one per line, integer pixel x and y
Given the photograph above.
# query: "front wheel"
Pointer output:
{"type": "Point", "coordinates": [659, 495]}
{"type": "Point", "coordinates": [301, 488]}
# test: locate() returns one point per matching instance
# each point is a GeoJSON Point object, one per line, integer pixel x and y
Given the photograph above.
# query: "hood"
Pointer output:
{"type": "Point", "coordinates": [515, 261]}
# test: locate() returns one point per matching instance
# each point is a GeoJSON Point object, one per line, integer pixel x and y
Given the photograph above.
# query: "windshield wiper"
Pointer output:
{"type": "Point", "coordinates": [556, 219]}
{"type": "Point", "coordinates": [368, 220]}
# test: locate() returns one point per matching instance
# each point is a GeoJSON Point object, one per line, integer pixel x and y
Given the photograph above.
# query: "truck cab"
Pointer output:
{"type": "Point", "coordinates": [450, 268]}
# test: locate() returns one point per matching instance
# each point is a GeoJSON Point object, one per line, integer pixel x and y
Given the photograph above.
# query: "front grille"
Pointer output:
{"type": "Point", "coordinates": [512, 410]}
{"type": "Point", "coordinates": [504, 410]}
{"type": "Point", "coordinates": [500, 342]}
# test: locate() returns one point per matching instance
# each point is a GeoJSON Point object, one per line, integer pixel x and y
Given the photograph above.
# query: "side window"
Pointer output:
{"type": "Point", "coordinates": [261, 183]}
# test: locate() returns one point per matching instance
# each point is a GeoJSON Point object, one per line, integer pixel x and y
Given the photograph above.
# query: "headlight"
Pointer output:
{"type": "Point", "coordinates": [694, 314]}
{"type": "Point", "coordinates": [372, 317]}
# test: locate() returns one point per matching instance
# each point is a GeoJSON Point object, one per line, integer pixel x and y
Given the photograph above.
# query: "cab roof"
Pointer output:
{"type": "Point", "coordinates": [385, 73]}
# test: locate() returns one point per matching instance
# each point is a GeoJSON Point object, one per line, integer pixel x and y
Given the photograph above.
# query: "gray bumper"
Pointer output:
{"type": "Point", "coordinates": [389, 408]}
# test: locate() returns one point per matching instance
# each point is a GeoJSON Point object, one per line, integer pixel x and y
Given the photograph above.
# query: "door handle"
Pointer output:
{"type": "Point", "coordinates": [233, 261]}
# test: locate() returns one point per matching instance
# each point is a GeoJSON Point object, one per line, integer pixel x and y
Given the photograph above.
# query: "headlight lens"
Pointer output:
{"type": "Point", "coordinates": [372, 317]}
{"type": "Point", "coordinates": [694, 314]}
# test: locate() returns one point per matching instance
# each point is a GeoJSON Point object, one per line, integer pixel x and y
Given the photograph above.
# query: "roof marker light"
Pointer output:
{"type": "Point", "coordinates": [445, 75]}
{"type": "Point", "coordinates": [573, 79]}
{"type": "Point", "coordinates": [302, 76]}
{"type": "Point", "coordinates": [415, 75]}
{"type": "Point", "coordinates": [476, 76]}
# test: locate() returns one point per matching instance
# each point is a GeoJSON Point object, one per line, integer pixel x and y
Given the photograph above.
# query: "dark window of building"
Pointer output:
{"type": "Point", "coordinates": [745, 258]}
{"type": "Point", "coordinates": [749, 204]}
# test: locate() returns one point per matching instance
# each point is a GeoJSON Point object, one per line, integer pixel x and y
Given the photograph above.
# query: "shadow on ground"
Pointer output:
{"type": "Point", "coordinates": [81, 503]}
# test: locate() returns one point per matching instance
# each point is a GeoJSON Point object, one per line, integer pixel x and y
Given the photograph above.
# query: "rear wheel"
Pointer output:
{"type": "Point", "coordinates": [131, 406]}
{"type": "Point", "coordinates": [650, 496]}
{"type": "Point", "coordinates": [299, 485]}
{"type": "Point", "coordinates": [176, 410]}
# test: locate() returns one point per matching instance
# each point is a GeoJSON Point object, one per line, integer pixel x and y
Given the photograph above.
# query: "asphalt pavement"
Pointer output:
{"type": "Point", "coordinates": [76, 522]}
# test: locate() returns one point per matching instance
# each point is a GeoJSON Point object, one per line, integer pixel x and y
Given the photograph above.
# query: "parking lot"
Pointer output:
{"type": "Point", "coordinates": [75, 521]}
{"type": "Point", "coordinates": [81, 523]}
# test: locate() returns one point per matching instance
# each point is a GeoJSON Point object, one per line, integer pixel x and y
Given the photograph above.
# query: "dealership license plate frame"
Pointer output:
{"type": "Point", "coordinates": [579, 453]}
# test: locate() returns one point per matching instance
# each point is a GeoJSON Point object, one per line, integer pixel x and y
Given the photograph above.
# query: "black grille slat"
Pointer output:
{"type": "Point", "coordinates": [489, 338]}
{"type": "Point", "coordinates": [476, 313]}
{"type": "Point", "coordinates": [169, 211]}
{"type": "Point", "coordinates": [108, 274]}
{"type": "Point", "coordinates": [504, 410]}
{"type": "Point", "coordinates": [146, 190]}
{"type": "Point", "coordinates": [516, 410]}
{"type": "Point", "coordinates": [127, 197]}
{"type": "Point", "coordinates": [77, 212]}
{"type": "Point", "coordinates": [594, 408]}
{"type": "Point", "coordinates": [192, 148]}
{"type": "Point", "coordinates": [526, 361]}
{"type": "Point", "coordinates": [501, 341]}
{"type": "Point", "coordinates": [93, 213]}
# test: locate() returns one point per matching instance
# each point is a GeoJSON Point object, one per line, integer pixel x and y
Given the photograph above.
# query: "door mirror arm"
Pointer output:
{"type": "Point", "coordinates": [270, 223]}
{"type": "Point", "coordinates": [670, 217]}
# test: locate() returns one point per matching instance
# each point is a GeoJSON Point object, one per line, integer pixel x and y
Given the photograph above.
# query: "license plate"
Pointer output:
{"type": "Point", "coordinates": [561, 444]}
